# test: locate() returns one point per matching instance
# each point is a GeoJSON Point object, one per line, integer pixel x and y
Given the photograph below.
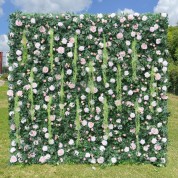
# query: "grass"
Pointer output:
{"type": "Point", "coordinates": [89, 171]}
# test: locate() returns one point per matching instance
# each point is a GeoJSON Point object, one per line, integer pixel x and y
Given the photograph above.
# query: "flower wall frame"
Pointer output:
{"type": "Point", "coordinates": [88, 88]}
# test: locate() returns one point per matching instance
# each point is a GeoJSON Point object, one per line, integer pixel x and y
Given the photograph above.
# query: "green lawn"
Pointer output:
{"type": "Point", "coordinates": [89, 171]}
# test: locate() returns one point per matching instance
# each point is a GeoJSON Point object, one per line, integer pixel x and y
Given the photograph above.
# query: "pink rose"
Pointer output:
{"type": "Point", "coordinates": [71, 85]}
{"type": "Point", "coordinates": [98, 110]}
{"type": "Point", "coordinates": [157, 147]}
{"type": "Point", "coordinates": [157, 76]}
{"type": "Point", "coordinates": [60, 152]}
{"type": "Point", "coordinates": [158, 41]}
{"type": "Point", "coordinates": [46, 98]}
{"type": "Point", "coordinates": [13, 159]}
{"type": "Point", "coordinates": [42, 159]}
{"type": "Point", "coordinates": [45, 69]}
{"type": "Point", "coordinates": [119, 36]}
{"type": "Point", "coordinates": [122, 20]}
{"type": "Point", "coordinates": [52, 117]}
{"type": "Point", "coordinates": [122, 54]}
{"type": "Point", "coordinates": [133, 146]}
{"type": "Point", "coordinates": [33, 133]}
{"type": "Point", "coordinates": [152, 29]}
{"type": "Point", "coordinates": [27, 87]}
{"type": "Point", "coordinates": [42, 29]}
{"type": "Point", "coordinates": [93, 29]}
{"type": "Point", "coordinates": [144, 46]}
{"type": "Point", "coordinates": [10, 93]}
{"type": "Point", "coordinates": [90, 125]}
{"type": "Point", "coordinates": [19, 93]}
{"type": "Point", "coordinates": [154, 131]}
{"type": "Point", "coordinates": [100, 160]}
{"type": "Point", "coordinates": [135, 27]}
{"type": "Point", "coordinates": [83, 61]}
{"type": "Point", "coordinates": [130, 17]}
{"type": "Point", "coordinates": [60, 50]}
{"type": "Point", "coordinates": [133, 34]}
{"type": "Point", "coordinates": [100, 30]}
{"type": "Point", "coordinates": [18, 23]}
{"type": "Point", "coordinates": [71, 40]}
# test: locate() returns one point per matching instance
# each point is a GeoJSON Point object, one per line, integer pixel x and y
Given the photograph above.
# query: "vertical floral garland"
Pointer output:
{"type": "Point", "coordinates": [51, 32]}
{"type": "Point", "coordinates": [105, 60]}
{"type": "Point", "coordinates": [152, 88]}
{"type": "Point", "coordinates": [119, 88]}
{"type": "Point", "coordinates": [134, 60]}
{"type": "Point", "coordinates": [17, 117]}
{"type": "Point", "coordinates": [137, 124]}
{"type": "Point", "coordinates": [24, 48]}
{"type": "Point", "coordinates": [105, 117]}
{"type": "Point", "coordinates": [91, 84]}
{"type": "Point", "coordinates": [30, 95]}
{"type": "Point", "coordinates": [61, 105]}
{"type": "Point", "coordinates": [49, 117]}
{"type": "Point", "coordinates": [77, 121]}
{"type": "Point", "coordinates": [74, 63]}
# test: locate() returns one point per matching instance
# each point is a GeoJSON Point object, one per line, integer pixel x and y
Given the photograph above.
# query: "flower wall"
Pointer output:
{"type": "Point", "coordinates": [88, 88]}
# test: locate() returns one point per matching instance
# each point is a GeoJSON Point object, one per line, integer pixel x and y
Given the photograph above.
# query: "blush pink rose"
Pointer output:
{"type": "Point", "coordinates": [130, 17]}
{"type": "Point", "coordinates": [60, 152]}
{"type": "Point", "coordinates": [119, 36]}
{"type": "Point", "coordinates": [90, 125]}
{"type": "Point", "coordinates": [18, 23]}
{"type": "Point", "coordinates": [45, 69]}
{"type": "Point", "coordinates": [42, 159]}
{"type": "Point", "coordinates": [19, 93]}
{"type": "Point", "coordinates": [47, 98]}
{"type": "Point", "coordinates": [10, 93]}
{"type": "Point", "coordinates": [157, 76]}
{"type": "Point", "coordinates": [13, 159]}
{"type": "Point", "coordinates": [154, 131]}
{"type": "Point", "coordinates": [42, 29]}
{"type": "Point", "coordinates": [133, 146]}
{"type": "Point", "coordinates": [152, 29]}
{"type": "Point", "coordinates": [71, 40]}
{"type": "Point", "coordinates": [157, 147]}
{"type": "Point", "coordinates": [83, 61]}
{"type": "Point", "coordinates": [144, 46]}
{"type": "Point", "coordinates": [93, 29]}
{"type": "Point", "coordinates": [60, 50]}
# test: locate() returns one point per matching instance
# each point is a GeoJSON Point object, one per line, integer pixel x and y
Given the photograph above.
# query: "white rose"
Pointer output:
{"type": "Point", "coordinates": [33, 20]}
{"type": "Point", "coordinates": [93, 138]}
{"type": "Point", "coordinates": [83, 97]}
{"type": "Point", "coordinates": [130, 92]}
{"type": "Point", "coordinates": [113, 160]}
{"type": "Point", "coordinates": [100, 160]}
{"type": "Point", "coordinates": [70, 54]}
{"type": "Point", "coordinates": [69, 72]}
{"type": "Point", "coordinates": [19, 53]}
{"type": "Point", "coordinates": [132, 115]}
{"type": "Point", "coordinates": [64, 41]}
{"type": "Point", "coordinates": [99, 79]}
{"type": "Point", "coordinates": [81, 48]}
{"type": "Point", "coordinates": [87, 155]}
{"type": "Point", "coordinates": [147, 75]}
{"type": "Point", "coordinates": [126, 149]}
{"type": "Point", "coordinates": [45, 148]}
{"type": "Point", "coordinates": [86, 110]}
{"type": "Point", "coordinates": [71, 142]}
{"type": "Point", "coordinates": [104, 142]}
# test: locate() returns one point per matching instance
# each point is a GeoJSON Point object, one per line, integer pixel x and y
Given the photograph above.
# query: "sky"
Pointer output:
{"type": "Point", "coordinates": [83, 6]}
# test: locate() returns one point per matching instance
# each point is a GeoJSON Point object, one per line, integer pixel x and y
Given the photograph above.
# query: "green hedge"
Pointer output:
{"type": "Point", "coordinates": [88, 88]}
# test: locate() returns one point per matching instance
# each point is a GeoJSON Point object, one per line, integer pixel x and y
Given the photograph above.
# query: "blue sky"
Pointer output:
{"type": "Point", "coordinates": [82, 6]}
{"type": "Point", "coordinates": [97, 6]}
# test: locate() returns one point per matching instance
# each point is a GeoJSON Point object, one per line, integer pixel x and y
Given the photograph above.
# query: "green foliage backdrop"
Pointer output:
{"type": "Point", "coordinates": [88, 88]}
